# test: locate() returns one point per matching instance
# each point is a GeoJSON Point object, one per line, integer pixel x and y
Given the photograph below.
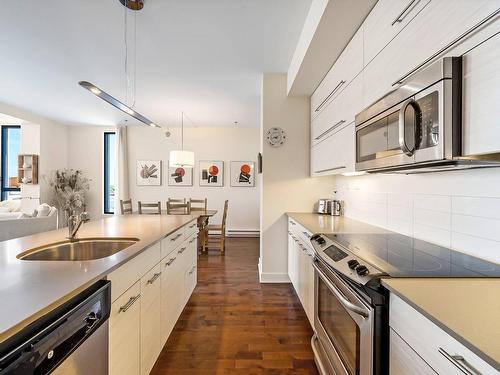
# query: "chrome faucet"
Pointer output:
{"type": "Point", "coordinates": [74, 224]}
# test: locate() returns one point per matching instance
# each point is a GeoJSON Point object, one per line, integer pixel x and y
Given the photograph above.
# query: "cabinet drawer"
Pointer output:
{"type": "Point", "coordinates": [191, 228]}
{"type": "Point", "coordinates": [338, 113]}
{"type": "Point", "coordinates": [190, 281]}
{"type": "Point", "coordinates": [171, 242]}
{"type": "Point", "coordinates": [430, 342]}
{"type": "Point", "coordinates": [404, 360]}
{"type": "Point", "coordinates": [385, 21]}
{"type": "Point", "coordinates": [126, 275]}
{"type": "Point", "coordinates": [347, 66]}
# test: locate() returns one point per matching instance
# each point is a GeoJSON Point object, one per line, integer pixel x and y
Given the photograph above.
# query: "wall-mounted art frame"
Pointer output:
{"type": "Point", "coordinates": [242, 173]}
{"type": "Point", "coordinates": [179, 176]}
{"type": "Point", "coordinates": [148, 173]}
{"type": "Point", "coordinates": [211, 173]}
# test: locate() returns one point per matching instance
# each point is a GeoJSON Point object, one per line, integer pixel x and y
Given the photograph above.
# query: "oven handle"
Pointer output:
{"type": "Point", "coordinates": [402, 129]}
{"type": "Point", "coordinates": [344, 301]}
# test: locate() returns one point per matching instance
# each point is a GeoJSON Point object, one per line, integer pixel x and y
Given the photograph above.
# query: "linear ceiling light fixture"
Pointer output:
{"type": "Point", "coordinates": [181, 158]}
{"type": "Point", "coordinates": [116, 103]}
{"type": "Point", "coordinates": [133, 5]}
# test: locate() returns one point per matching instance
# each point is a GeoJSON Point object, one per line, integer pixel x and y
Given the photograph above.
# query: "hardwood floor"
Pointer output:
{"type": "Point", "coordinates": [234, 325]}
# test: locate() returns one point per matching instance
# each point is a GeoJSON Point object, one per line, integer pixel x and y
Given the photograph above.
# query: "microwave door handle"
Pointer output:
{"type": "Point", "coordinates": [344, 301]}
{"type": "Point", "coordinates": [402, 128]}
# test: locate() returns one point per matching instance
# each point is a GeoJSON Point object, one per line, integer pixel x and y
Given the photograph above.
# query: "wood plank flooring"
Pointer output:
{"type": "Point", "coordinates": [234, 325]}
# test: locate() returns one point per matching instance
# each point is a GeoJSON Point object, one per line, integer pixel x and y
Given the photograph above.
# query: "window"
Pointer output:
{"type": "Point", "coordinates": [109, 172]}
{"type": "Point", "coordinates": [11, 145]}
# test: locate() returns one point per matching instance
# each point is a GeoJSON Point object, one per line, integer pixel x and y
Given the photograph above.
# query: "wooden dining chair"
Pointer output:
{"type": "Point", "coordinates": [150, 208]}
{"type": "Point", "coordinates": [198, 204]}
{"type": "Point", "coordinates": [178, 207]}
{"type": "Point", "coordinates": [216, 234]}
{"type": "Point", "coordinates": [126, 206]}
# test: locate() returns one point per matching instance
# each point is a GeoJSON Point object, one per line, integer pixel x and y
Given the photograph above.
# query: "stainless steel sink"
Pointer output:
{"type": "Point", "coordinates": [79, 250]}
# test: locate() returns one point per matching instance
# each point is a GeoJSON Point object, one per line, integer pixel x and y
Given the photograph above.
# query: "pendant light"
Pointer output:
{"type": "Point", "coordinates": [181, 158]}
{"type": "Point", "coordinates": [133, 5]}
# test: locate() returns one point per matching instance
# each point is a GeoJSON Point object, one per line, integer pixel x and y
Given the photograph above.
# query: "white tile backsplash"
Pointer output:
{"type": "Point", "coordinates": [455, 209]}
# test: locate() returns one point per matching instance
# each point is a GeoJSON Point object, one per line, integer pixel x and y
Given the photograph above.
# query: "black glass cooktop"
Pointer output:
{"type": "Point", "coordinates": [402, 256]}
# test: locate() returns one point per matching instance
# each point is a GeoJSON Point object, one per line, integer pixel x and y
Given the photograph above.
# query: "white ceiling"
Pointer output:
{"type": "Point", "coordinates": [204, 57]}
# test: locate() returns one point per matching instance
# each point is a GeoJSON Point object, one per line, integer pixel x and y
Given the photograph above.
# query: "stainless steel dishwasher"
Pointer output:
{"type": "Point", "coordinates": [70, 340]}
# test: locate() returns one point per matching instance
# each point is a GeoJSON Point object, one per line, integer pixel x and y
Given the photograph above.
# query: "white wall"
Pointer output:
{"type": "Point", "coordinates": [224, 144]}
{"type": "Point", "coordinates": [459, 209]}
{"type": "Point", "coordinates": [286, 183]}
{"type": "Point", "coordinates": [86, 154]}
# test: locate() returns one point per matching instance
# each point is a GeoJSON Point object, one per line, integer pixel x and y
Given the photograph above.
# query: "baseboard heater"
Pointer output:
{"type": "Point", "coordinates": [243, 233]}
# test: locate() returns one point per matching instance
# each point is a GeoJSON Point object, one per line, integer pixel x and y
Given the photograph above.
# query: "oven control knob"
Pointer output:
{"type": "Point", "coordinates": [353, 263]}
{"type": "Point", "coordinates": [362, 271]}
{"type": "Point", "coordinates": [320, 240]}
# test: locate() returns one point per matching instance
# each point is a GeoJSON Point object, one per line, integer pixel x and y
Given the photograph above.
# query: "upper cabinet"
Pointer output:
{"type": "Point", "coordinates": [347, 66]}
{"type": "Point", "coordinates": [397, 39]}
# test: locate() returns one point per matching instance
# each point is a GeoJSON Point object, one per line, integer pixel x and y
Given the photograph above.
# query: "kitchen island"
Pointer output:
{"type": "Point", "coordinates": [30, 289]}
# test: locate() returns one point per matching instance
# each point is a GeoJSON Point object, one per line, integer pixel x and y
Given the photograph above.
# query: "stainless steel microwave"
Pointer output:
{"type": "Point", "coordinates": [417, 127]}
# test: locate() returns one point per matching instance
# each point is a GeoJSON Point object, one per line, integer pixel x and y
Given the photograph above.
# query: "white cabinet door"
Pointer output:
{"type": "Point", "coordinates": [335, 154]}
{"type": "Point", "coordinates": [438, 24]}
{"type": "Point", "coordinates": [293, 261]}
{"type": "Point", "coordinates": [124, 333]}
{"type": "Point", "coordinates": [150, 318]}
{"type": "Point", "coordinates": [385, 21]}
{"type": "Point", "coordinates": [171, 300]}
{"type": "Point", "coordinates": [404, 360]}
{"type": "Point", "coordinates": [481, 95]}
{"type": "Point", "coordinates": [310, 289]}
{"type": "Point", "coordinates": [348, 65]}
{"type": "Point", "coordinates": [190, 278]}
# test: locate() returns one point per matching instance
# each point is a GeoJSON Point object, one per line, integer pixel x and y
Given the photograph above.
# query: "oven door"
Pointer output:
{"type": "Point", "coordinates": [408, 133]}
{"type": "Point", "coordinates": [343, 324]}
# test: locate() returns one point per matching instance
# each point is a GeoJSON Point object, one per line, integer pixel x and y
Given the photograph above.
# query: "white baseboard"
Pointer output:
{"type": "Point", "coordinates": [242, 232]}
{"type": "Point", "coordinates": [268, 277]}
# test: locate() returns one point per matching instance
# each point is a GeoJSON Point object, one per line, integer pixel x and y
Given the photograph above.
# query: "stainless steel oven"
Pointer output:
{"type": "Point", "coordinates": [418, 126]}
{"type": "Point", "coordinates": [344, 326]}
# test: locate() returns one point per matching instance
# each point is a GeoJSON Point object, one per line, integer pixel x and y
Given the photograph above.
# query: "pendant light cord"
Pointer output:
{"type": "Point", "coordinates": [182, 131]}
{"type": "Point", "coordinates": [130, 83]}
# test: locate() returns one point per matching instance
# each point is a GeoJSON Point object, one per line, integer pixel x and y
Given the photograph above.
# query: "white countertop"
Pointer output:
{"type": "Point", "coordinates": [28, 289]}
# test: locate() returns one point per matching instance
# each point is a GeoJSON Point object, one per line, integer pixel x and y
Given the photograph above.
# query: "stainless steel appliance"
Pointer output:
{"type": "Point", "coordinates": [336, 208]}
{"type": "Point", "coordinates": [418, 127]}
{"type": "Point", "coordinates": [72, 339]}
{"type": "Point", "coordinates": [325, 206]}
{"type": "Point", "coordinates": [351, 306]}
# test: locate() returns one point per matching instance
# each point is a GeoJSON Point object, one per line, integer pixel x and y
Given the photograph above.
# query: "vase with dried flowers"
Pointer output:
{"type": "Point", "coordinates": [69, 187]}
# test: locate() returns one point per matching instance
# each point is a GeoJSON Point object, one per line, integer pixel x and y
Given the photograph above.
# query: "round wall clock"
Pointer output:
{"type": "Point", "coordinates": [276, 137]}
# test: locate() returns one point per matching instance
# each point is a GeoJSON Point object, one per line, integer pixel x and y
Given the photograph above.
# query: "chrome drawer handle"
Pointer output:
{"type": "Point", "coordinates": [330, 169]}
{"type": "Point", "coordinates": [192, 225]}
{"type": "Point", "coordinates": [176, 237]}
{"type": "Point", "coordinates": [306, 234]}
{"type": "Point", "coordinates": [154, 278]}
{"type": "Point", "coordinates": [336, 88]}
{"type": "Point", "coordinates": [460, 362]}
{"type": "Point", "coordinates": [402, 15]}
{"type": "Point", "coordinates": [333, 127]}
{"type": "Point", "coordinates": [291, 222]}
{"type": "Point", "coordinates": [192, 240]}
{"type": "Point", "coordinates": [181, 250]}
{"type": "Point", "coordinates": [130, 302]}
{"type": "Point", "coordinates": [170, 261]}
{"type": "Point", "coordinates": [192, 270]}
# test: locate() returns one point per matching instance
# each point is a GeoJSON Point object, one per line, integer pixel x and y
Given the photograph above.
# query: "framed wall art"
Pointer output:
{"type": "Point", "coordinates": [242, 173]}
{"type": "Point", "coordinates": [149, 172]}
{"type": "Point", "coordinates": [211, 173]}
{"type": "Point", "coordinates": [179, 176]}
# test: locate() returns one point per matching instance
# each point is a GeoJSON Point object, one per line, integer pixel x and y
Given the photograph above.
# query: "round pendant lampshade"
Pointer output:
{"type": "Point", "coordinates": [181, 158]}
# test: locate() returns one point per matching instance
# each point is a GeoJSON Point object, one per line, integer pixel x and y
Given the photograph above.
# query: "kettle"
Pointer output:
{"type": "Point", "coordinates": [325, 206]}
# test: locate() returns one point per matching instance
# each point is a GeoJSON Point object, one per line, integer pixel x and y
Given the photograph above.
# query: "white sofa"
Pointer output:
{"type": "Point", "coordinates": [15, 224]}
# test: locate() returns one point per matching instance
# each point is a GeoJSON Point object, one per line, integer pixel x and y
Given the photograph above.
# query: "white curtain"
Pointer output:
{"type": "Point", "coordinates": [122, 170]}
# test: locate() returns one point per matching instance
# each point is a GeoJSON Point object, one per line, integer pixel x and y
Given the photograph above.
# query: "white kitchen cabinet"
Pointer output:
{"type": "Point", "coordinates": [125, 333]}
{"type": "Point", "coordinates": [170, 300]}
{"type": "Point", "coordinates": [431, 343]}
{"type": "Point", "coordinates": [481, 95]}
{"type": "Point", "coordinates": [335, 154]}
{"type": "Point", "coordinates": [385, 21]}
{"type": "Point", "coordinates": [404, 360]}
{"type": "Point", "coordinates": [345, 69]}
{"type": "Point", "coordinates": [437, 25]}
{"type": "Point", "coordinates": [150, 319]}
